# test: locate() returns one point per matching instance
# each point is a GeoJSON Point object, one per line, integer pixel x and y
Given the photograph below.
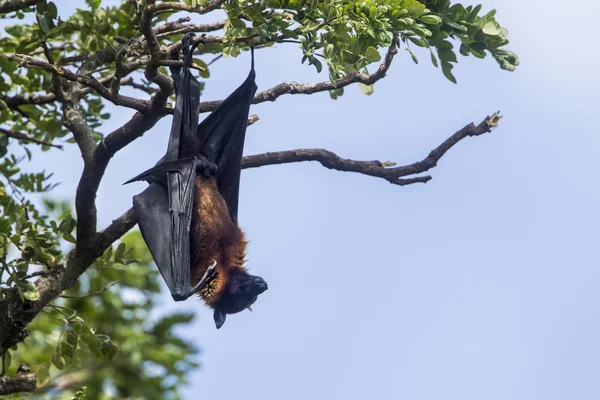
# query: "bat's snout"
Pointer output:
{"type": "Point", "coordinates": [259, 285]}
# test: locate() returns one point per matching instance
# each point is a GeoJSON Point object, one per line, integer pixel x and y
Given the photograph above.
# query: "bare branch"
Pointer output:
{"type": "Point", "coordinates": [116, 229]}
{"type": "Point", "coordinates": [17, 384]}
{"type": "Point", "coordinates": [379, 169]}
{"type": "Point", "coordinates": [115, 84]}
{"type": "Point", "coordinates": [29, 98]}
{"type": "Point", "coordinates": [310, 88]}
{"type": "Point", "coordinates": [91, 82]}
{"type": "Point", "coordinates": [184, 7]}
{"type": "Point", "coordinates": [130, 82]}
{"type": "Point", "coordinates": [175, 28]}
{"type": "Point", "coordinates": [152, 74]}
{"type": "Point", "coordinates": [7, 6]}
{"type": "Point", "coordinates": [25, 138]}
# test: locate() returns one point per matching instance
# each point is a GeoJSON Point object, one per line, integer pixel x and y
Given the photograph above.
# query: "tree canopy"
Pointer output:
{"type": "Point", "coordinates": [67, 308]}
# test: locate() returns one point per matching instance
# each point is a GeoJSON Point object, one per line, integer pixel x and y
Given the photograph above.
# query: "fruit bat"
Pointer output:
{"type": "Point", "coordinates": [188, 215]}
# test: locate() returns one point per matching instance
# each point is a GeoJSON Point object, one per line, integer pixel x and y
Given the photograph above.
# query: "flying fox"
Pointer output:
{"type": "Point", "coordinates": [188, 215]}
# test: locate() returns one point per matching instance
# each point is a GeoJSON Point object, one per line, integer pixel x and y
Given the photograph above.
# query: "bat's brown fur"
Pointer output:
{"type": "Point", "coordinates": [214, 237]}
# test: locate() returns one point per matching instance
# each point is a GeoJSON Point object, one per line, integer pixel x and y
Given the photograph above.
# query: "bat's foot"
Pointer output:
{"type": "Point", "coordinates": [205, 167]}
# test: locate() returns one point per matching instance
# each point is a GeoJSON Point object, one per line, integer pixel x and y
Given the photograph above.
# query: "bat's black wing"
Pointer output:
{"type": "Point", "coordinates": [164, 209]}
{"type": "Point", "coordinates": [222, 134]}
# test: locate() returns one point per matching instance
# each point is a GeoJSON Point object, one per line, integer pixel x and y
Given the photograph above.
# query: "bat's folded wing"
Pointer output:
{"type": "Point", "coordinates": [164, 215]}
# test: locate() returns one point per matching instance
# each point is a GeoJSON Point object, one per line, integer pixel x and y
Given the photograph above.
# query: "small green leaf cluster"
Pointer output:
{"type": "Point", "coordinates": [27, 237]}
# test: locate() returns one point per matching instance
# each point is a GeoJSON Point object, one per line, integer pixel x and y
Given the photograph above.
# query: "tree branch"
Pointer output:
{"type": "Point", "coordinates": [91, 82]}
{"type": "Point", "coordinates": [29, 98]}
{"type": "Point", "coordinates": [184, 7]}
{"type": "Point", "coordinates": [152, 74]}
{"type": "Point", "coordinates": [17, 384]}
{"type": "Point", "coordinates": [379, 169]}
{"type": "Point", "coordinates": [25, 138]}
{"type": "Point", "coordinates": [7, 6]}
{"type": "Point", "coordinates": [178, 28]}
{"type": "Point", "coordinates": [310, 88]}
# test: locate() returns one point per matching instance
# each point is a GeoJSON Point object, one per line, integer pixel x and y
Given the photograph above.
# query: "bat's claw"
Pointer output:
{"type": "Point", "coordinates": [205, 167]}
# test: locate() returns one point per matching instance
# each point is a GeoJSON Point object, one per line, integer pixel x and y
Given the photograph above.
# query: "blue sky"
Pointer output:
{"type": "Point", "coordinates": [481, 284]}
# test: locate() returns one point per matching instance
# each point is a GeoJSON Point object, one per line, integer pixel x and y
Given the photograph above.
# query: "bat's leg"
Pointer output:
{"type": "Point", "coordinates": [205, 167]}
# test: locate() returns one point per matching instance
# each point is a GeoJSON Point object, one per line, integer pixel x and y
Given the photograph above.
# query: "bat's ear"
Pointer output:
{"type": "Point", "coordinates": [219, 317]}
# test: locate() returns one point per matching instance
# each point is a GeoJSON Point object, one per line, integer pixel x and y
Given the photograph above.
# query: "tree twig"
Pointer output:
{"type": "Point", "coordinates": [25, 138]}
{"type": "Point", "coordinates": [7, 6]}
{"type": "Point", "coordinates": [184, 7]}
{"type": "Point", "coordinates": [91, 82]}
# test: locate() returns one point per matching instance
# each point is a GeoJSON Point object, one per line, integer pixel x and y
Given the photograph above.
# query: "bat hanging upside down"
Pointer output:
{"type": "Point", "coordinates": [188, 214]}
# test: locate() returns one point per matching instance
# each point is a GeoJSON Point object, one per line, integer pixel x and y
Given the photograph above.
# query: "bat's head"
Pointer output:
{"type": "Point", "coordinates": [239, 291]}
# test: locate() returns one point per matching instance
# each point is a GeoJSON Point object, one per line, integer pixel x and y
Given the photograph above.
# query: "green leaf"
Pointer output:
{"type": "Point", "coordinates": [366, 89]}
{"type": "Point", "coordinates": [372, 54]}
{"type": "Point", "coordinates": [418, 41]}
{"type": "Point", "coordinates": [464, 50]}
{"type": "Point", "coordinates": [69, 238]}
{"type": "Point", "coordinates": [431, 19]}
{"type": "Point", "coordinates": [433, 58]}
{"type": "Point", "coordinates": [44, 21]}
{"type": "Point", "coordinates": [94, 4]}
{"type": "Point", "coordinates": [492, 28]}
{"type": "Point", "coordinates": [287, 33]}
{"type": "Point", "coordinates": [414, 58]}
{"type": "Point", "coordinates": [67, 225]}
{"type": "Point", "coordinates": [66, 349]}
{"type": "Point", "coordinates": [33, 46]}
{"type": "Point", "coordinates": [473, 14]}
{"type": "Point", "coordinates": [237, 23]}
{"type": "Point", "coordinates": [52, 10]}
{"type": "Point", "coordinates": [318, 65]}
{"type": "Point", "coordinates": [58, 360]}
{"type": "Point", "coordinates": [456, 26]}
{"type": "Point", "coordinates": [29, 290]}
{"type": "Point", "coordinates": [120, 252]}
{"type": "Point", "coordinates": [43, 374]}
{"type": "Point", "coordinates": [110, 351]}
{"type": "Point", "coordinates": [7, 360]}
{"type": "Point", "coordinates": [335, 93]}
{"type": "Point", "coordinates": [3, 145]}
{"type": "Point", "coordinates": [447, 70]}
{"type": "Point", "coordinates": [81, 357]}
